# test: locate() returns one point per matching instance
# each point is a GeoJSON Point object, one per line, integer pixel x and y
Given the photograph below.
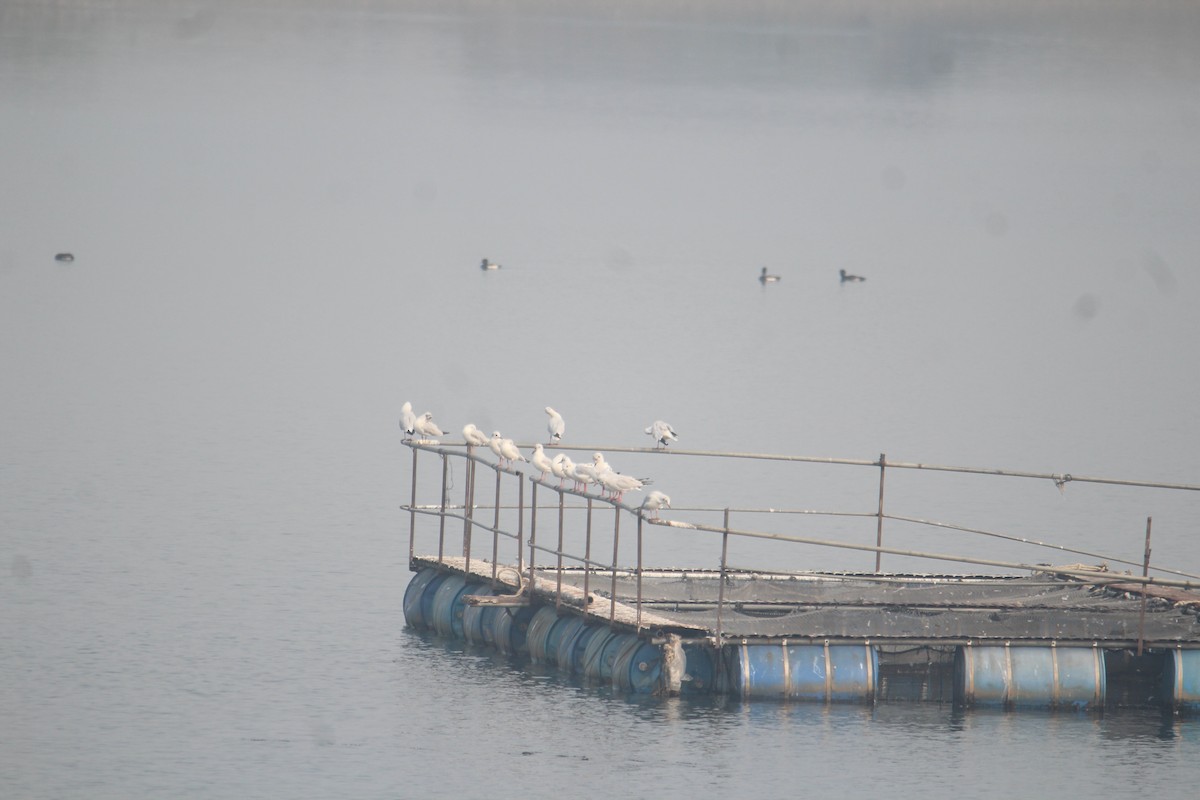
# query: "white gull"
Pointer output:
{"type": "Point", "coordinates": [540, 461]}
{"type": "Point", "coordinates": [662, 433]}
{"type": "Point", "coordinates": [555, 426]}
{"type": "Point", "coordinates": [426, 427]}
{"type": "Point", "coordinates": [408, 420]}
{"type": "Point", "coordinates": [654, 501]}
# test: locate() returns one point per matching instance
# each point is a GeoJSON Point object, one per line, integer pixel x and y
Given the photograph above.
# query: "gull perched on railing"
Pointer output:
{"type": "Point", "coordinates": [505, 449]}
{"type": "Point", "coordinates": [618, 484]}
{"type": "Point", "coordinates": [408, 420]}
{"type": "Point", "coordinates": [473, 437]}
{"type": "Point", "coordinates": [582, 474]}
{"type": "Point", "coordinates": [558, 468]}
{"type": "Point", "coordinates": [662, 433]}
{"type": "Point", "coordinates": [555, 426]}
{"type": "Point", "coordinates": [541, 461]}
{"type": "Point", "coordinates": [426, 427]}
{"type": "Point", "coordinates": [654, 501]}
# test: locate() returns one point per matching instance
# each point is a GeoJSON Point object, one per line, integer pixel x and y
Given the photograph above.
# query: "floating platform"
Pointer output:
{"type": "Point", "coordinates": [1012, 642]}
{"type": "Point", "coordinates": [1074, 636]}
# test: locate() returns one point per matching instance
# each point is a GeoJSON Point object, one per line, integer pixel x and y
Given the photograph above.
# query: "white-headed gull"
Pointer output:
{"type": "Point", "coordinates": [654, 501]}
{"type": "Point", "coordinates": [557, 467]}
{"type": "Point", "coordinates": [426, 427]}
{"type": "Point", "coordinates": [487, 265]}
{"type": "Point", "coordinates": [766, 278]}
{"type": "Point", "coordinates": [584, 475]}
{"type": "Point", "coordinates": [473, 436]}
{"type": "Point", "coordinates": [408, 420]}
{"type": "Point", "coordinates": [555, 426]}
{"type": "Point", "coordinates": [541, 461]}
{"type": "Point", "coordinates": [510, 451]}
{"type": "Point", "coordinates": [494, 445]}
{"type": "Point", "coordinates": [662, 433]}
{"type": "Point", "coordinates": [618, 484]}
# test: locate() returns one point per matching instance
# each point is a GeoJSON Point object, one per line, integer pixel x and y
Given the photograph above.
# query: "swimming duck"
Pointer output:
{"type": "Point", "coordinates": [765, 278]}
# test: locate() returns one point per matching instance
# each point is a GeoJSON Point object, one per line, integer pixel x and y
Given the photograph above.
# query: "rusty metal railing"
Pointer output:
{"type": "Point", "coordinates": [510, 510]}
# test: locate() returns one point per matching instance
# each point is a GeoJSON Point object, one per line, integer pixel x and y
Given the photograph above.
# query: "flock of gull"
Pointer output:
{"type": "Point", "coordinates": [583, 476]}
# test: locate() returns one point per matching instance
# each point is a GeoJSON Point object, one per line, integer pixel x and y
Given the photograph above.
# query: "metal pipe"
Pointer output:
{"type": "Point", "coordinates": [521, 522]}
{"type": "Point", "coordinates": [468, 502]}
{"type": "Point", "coordinates": [1095, 577]}
{"type": "Point", "coordinates": [1145, 574]}
{"type": "Point", "coordinates": [721, 585]}
{"type": "Point", "coordinates": [879, 525]}
{"type": "Point", "coordinates": [858, 462]}
{"type": "Point", "coordinates": [442, 516]}
{"type": "Point", "coordinates": [412, 513]}
{"type": "Point", "coordinates": [558, 590]}
{"type": "Point", "coordinates": [639, 570]}
{"type": "Point", "coordinates": [587, 553]}
{"type": "Point", "coordinates": [612, 599]}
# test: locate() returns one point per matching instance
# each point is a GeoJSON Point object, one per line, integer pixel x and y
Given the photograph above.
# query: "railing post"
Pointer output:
{"type": "Point", "coordinates": [879, 523]}
{"type": "Point", "coordinates": [559, 554]}
{"type": "Point", "coordinates": [412, 510]}
{"type": "Point", "coordinates": [442, 516]}
{"type": "Point", "coordinates": [1145, 588]}
{"type": "Point", "coordinates": [587, 553]}
{"type": "Point", "coordinates": [521, 523]}
{"type": "Point", "coordinates": [612, 600]}
{"type": "Point", "coordinates": [469, 501]}
{"type": "Point", "coordinates": [721, 585]}
{"type": "Point", "coordinates": [639, 570]}
{"type": "Point", "coordinates": [532, 548]}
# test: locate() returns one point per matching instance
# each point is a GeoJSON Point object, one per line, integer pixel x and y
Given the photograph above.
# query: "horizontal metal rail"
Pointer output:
{"type": "Point", "coordinates": [1057, 477]}
{"type": "Point", "coordinates": [563, 560]}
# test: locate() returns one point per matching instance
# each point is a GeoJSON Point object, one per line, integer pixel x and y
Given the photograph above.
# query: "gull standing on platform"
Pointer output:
{"type": "Point", "coordinates": [541, 461]}
{"type": "Point", "coordinates": [426, 427]}
{"type": "Point", "coordinates": [473, 437]}
{"type": "Point", "coordinates": [662, 433]}
{"type": "Point", "coordinates": [556, 426]}
{"type": "Point", "coordinates": [408, 420]}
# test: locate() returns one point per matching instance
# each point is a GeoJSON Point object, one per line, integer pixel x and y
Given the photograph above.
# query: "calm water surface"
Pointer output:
{"type": "Point", "coordinates": [277, 210]}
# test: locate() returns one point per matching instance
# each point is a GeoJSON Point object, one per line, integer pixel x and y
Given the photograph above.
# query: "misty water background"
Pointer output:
{"type": "Point", "coordinates": [277, 210]}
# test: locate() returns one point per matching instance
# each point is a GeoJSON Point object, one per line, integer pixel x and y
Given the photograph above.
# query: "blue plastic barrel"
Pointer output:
{"type": "Point", "coordinates": [638, 667]}
{"type": "Point", "coordinates": [573, 643]}
{"type": "Point", "coordinates": [594, 651]}
{"type": "Point", "coordinates": [447, 608]}
{"type": "Point", "coordinates": [418, 610]}
{"type": "Point", "coordinates": [1029, 677]}
{"type": "Point", "coordinates": [545, 631]}
{"type": "Point", "coordinates": [829, 673]}
{"type": "Point", "coordinates": [509, 627]}
{"type": "Point", "coordinates": [1181, 680]}
{"type": "Point", "coordinates": [472, 616]}
{"type": "Point", "coordinates": [599, 663]}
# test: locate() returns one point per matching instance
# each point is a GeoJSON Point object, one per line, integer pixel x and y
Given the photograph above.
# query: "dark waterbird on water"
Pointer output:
{"type": "Point", "coordinates": [765, 278]}
{"type": "Point", "coordinates": [64, 257]}
{"type": "Point", "coordinates": [846, 276]}
{"type": "Point", "coordinates": [486, 265]}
